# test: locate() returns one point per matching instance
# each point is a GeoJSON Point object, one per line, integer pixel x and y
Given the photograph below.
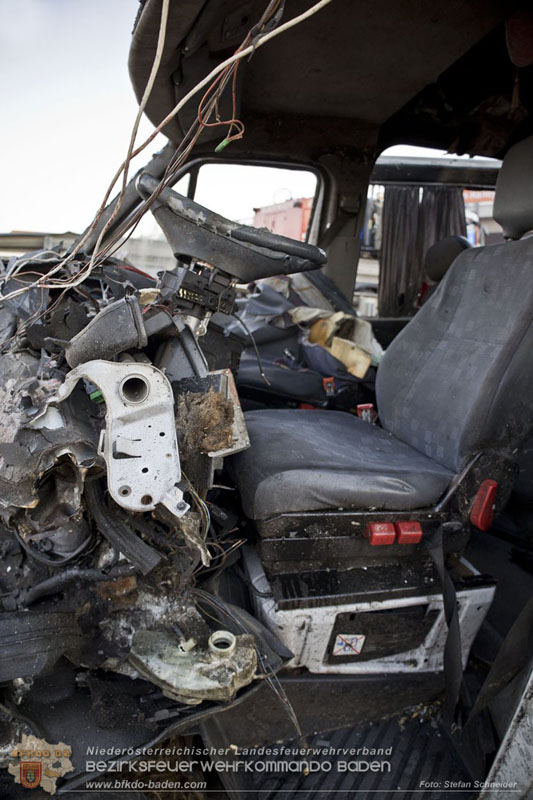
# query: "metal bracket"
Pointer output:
{"type": "Point", "coordinates": [139, 442]}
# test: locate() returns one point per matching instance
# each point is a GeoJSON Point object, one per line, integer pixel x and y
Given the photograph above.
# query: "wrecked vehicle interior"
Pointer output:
{"type": "Point", "coordinates": [181, 557]}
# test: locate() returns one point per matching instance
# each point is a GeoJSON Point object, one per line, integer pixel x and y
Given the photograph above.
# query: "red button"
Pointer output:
{"type": "Point", "coordinates": [483, 509]}
{"type": "Point", "coordinates": [409, 532]}
{"type": "Point", "coordinates": [380, 533]}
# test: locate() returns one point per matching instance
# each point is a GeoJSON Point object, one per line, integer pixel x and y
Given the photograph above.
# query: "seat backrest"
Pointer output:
{"type": "Point", "coordinates": [459, 378]}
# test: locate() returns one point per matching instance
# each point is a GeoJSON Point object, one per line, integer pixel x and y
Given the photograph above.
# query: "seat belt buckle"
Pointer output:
{"type": "Point", "coordinates": [328, 385]}
{"type": "Point", "coordinates": [367, 412]}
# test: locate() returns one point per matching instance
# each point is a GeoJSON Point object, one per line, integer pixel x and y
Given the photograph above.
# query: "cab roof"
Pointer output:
{"type": "Point", "coordinates": [356, 74]}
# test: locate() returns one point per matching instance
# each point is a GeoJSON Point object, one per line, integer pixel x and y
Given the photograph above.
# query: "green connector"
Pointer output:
{"type": "Point", "coordinates": [221, 145]}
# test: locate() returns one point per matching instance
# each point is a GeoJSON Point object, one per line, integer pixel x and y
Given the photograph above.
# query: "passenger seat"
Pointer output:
{"type": "Point", "coordinates": [455, 383]}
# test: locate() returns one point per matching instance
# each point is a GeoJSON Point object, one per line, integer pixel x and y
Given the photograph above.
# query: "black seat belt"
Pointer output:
{"type": "Point", "coordinates": [455, 689]}
{"type": "Point", "coordinates": [514, 655]}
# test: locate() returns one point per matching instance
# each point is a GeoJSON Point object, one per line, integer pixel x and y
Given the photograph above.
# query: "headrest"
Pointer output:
{"type": "Point", "coordinates": [440, 256]}
{"type": "Point", "coordinates": [513, 201]}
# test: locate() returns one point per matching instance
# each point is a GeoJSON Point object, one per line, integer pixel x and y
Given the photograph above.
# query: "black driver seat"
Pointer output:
{"type": "Point", "coordinates": [457, 381]}
{"type": "Point", "coordinates": [311, 460]}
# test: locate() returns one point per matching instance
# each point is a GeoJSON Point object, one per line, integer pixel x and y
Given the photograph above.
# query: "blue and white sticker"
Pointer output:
{"type": "Point", "coordinates": [348, 644]}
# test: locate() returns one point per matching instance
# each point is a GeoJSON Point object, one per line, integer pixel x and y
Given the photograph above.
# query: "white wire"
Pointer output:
{"type": "Point", "coordinates": [214, 72]}
{"type": "Point", "coordinates": [43, 257]}
{"type": "Point", "coordinates": [177, 108]}
{"type": "Point", "coordinates": [291, 23]}
{"type": "Point", "coordinates": [125, 165]}
{"type": "Point", "coordinates": [146, 94]}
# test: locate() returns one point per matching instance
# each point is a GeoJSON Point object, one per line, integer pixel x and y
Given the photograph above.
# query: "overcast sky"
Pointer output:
{"type": "Point", "coordinates": [67, 110]}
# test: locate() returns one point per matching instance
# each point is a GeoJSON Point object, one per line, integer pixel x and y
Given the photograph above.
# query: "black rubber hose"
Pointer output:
{"type": "Point", "coordinates": [57, 582]}
{"type": "Point", "coordinates": [141, 555]}
{"type": "Point", "coordinates": [41, 558]}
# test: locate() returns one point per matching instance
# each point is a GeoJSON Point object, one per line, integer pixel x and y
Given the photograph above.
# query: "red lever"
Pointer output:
{"type": "Point", "coordinates": [409, 532]}
{"type": "Point", "coordinates": [380, 533]}
{"type": "Point", "coordinates": [482, 512]}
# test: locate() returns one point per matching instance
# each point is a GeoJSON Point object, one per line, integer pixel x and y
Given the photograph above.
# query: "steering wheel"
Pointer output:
{"type": "Point", "coordinates": [243, 252]}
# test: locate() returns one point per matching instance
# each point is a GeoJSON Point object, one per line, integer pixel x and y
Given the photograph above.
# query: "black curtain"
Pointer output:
{"type": "Point", "coordinates": [411, 224]}
{"type": "Point", "coordinates": [441, 214]}
{"type": "Point", "coordinates": [399, 251]}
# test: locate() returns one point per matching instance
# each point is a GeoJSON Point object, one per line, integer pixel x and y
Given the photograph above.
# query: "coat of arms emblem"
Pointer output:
{"type": "Point", "coordinates": [36, 763]}
{"type": "Point", "coordinates": [31, 773]}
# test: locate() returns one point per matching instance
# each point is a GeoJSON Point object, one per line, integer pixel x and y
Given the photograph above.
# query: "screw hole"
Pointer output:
{"type": "Point", "coordinates": [124, 491]}
{"type": "Point", "coordinates": [146, 499]}
{"type": "Point", "coordinates": [162, 433]}
{"type": "Point", "coordinates": [144, 469]}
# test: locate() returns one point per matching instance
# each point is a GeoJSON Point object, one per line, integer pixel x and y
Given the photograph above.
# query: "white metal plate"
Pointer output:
{"type": "Point", "coordinates": [139, 442]}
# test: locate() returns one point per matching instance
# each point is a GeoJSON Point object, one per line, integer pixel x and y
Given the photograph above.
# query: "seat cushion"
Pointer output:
{"type": "Point", "coordinates": [312, 460]}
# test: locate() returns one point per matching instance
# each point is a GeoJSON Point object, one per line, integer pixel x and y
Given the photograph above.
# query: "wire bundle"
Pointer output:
{"type": "Point", "coordinates": [216, 82]}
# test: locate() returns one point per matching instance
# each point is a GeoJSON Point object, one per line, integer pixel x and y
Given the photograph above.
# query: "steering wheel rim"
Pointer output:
{"type": "Point", "coordinates": [189, 227]}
